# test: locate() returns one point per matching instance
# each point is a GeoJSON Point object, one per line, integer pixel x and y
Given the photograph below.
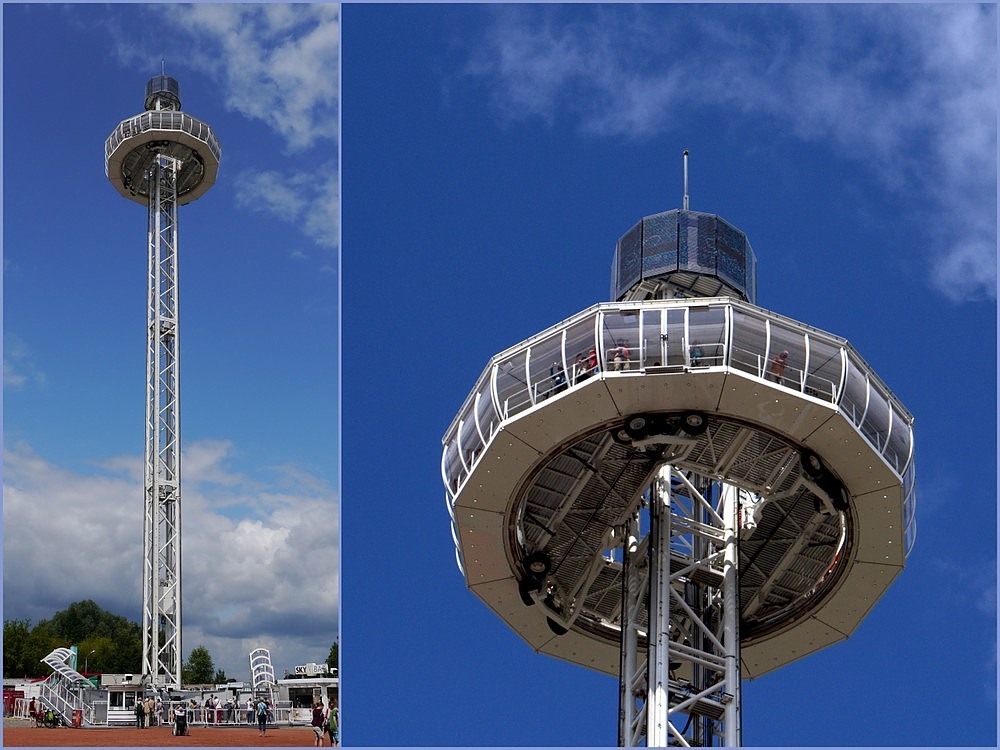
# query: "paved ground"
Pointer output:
{"type": "Point", "coordinates": [19, 733]}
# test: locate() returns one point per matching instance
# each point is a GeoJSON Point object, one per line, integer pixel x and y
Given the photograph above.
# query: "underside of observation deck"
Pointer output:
{"type": "Point", "coordinates": [564, 476]}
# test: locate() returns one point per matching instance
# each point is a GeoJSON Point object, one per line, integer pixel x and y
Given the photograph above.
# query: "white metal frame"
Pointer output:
{"type": "Point", "coordinates": [161, 595]}
{"type": "Point", "coordinates": [686, 692]}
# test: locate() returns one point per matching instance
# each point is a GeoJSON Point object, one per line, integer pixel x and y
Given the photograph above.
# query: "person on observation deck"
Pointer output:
{"type": "Point", "coordinates": [776, 372]}
{"type": "Point", "coordinates": [620, 356]}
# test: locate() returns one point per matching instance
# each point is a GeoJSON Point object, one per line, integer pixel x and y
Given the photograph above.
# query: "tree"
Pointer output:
{"type": "Point", "coordinates": [106, 656]}
{"type": "Point", "coordinates": [198, 669]}
{"type": "Point", "coordinates": [79, 620]}
{"type": "Point", "coordinates": [334, 658]}
{"type": "Point", "coordinates": [15, 643]}
{"type": "Point", "coordinates": [41, 642]}
{"type": "Point", "coordinates": [116, 641]}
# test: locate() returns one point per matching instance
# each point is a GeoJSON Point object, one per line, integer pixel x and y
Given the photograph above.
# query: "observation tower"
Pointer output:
{"type": "Point", "coordinates": [162, 158]}
{"type": "Point", "coordinates": [680, 488]}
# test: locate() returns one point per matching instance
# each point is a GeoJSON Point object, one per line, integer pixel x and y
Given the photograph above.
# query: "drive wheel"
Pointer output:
{"type": "Point", "coordinates": [694, 423]}
{"type": "Point", "coordinates": [812, 465]}
{"type": "Point", "coordinates": [637, 426]}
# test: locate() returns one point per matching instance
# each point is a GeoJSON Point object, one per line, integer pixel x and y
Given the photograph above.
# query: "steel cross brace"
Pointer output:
{"type": "Point", "coordinates": [161, 590]}
{"type": "Point", "coordinates": [690, 672]}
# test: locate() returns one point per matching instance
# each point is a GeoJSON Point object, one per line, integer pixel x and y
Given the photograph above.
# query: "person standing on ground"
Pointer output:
{"type": "Point", "coordinates": [333, 725]}
{"type": "Point", "coordinates": [317, 722]}
{"type": "Point", "coordinates": [262, 717]}
{"type": "Point", "coordinates": [180, 720]}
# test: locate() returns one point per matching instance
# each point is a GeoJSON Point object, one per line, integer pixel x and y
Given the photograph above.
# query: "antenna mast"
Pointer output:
{"type": "Point", "coordinates": [685, 179]}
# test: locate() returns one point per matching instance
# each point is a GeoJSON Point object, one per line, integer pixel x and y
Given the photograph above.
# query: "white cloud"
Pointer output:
{"type": "Point", "coordinates": [275, 63]}
{"type": "Point", "coordinates": [909, 92]}
{"type": "Point", "coordinates": [260, 555]}
{"type": "Point", "coordinates": [278, 64]}
{"type": "Point", "coordinates": [305, 199]}
{"type": "Point", "coordinates": [19, 368]}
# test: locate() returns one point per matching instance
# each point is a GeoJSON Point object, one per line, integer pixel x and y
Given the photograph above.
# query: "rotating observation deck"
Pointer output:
{"type": "Point", "coordinates": [553, 449]}
{"type": "Point", "coordinates": [162, 129]}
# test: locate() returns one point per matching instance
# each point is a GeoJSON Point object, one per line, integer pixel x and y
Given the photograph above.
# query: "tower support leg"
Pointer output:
{"type": "Point", "coordinates": [658, 658]}
{"type": "Point", "coordinates": [632, 685]}
{"type": "Point", "coordinates": [733, 718]}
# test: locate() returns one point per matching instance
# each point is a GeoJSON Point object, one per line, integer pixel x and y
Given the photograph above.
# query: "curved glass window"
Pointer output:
{"type": "Point", "coordinates": [877, 420]}
{"type": "Point", "coordinates": [511, 380]}
{"type": "Point", "coordinates": [162, 120]}
{"type": "Point", "coordinates": [619, 340]}
{"type": "Point", "coordinates": [854, 402]}
{"type": "Point", "coordinates": [786, 357]}
{"type": "Point", "coordinates": [897, 451]}
{"type": "Point", "coordinates": [910, 507]}
{"type": "Point", "coordinates": [635, 336]}
{"type": "Point", "coordinates": [650, 344]}
{"type": "Point", "coordinates": [581, 353]}
{"type": "Point", "coordinates": [545, 367]}
{"type": "Point", "coordinates": [469, 443]}
{"type": "Point", "coordinates": [707, 336]}
{"type": "Point", "coordinates": [451, 467]}
{"type": "Point", "coordinates": [749, 343]}
{"type": "Point", "coordinates": [486, 415]}
{"type": "Point", "coordinates": [824, 371]}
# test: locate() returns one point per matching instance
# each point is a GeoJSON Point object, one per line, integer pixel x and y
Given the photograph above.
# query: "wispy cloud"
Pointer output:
{"type": "Point", "coordinates": [277, 64]}
{"type": "Point", "coordinates": [971, 588]}
{"type": "Point", "coordinates": [309, 200]}
{"type": "Point", "coordinates": [19, 368]}
{"type": "Point", "coordinates": [909, 92]}
{"type": "Point", "coordinates": [276, 584]}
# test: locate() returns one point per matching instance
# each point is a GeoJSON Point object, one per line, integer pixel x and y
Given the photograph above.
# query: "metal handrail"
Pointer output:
{"type": "Point", "coordinates": [754, 363]}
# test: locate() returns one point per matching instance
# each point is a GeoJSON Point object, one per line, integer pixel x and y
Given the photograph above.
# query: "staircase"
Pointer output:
{"type": "Point", "coordinates": [64, 690]}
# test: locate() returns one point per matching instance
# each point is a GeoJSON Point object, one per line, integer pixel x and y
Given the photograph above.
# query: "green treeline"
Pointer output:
{"type": "Point", "coordinates": [106, 642]}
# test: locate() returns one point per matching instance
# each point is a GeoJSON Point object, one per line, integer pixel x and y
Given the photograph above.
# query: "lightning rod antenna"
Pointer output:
{"type": "Point", "coordinates": [685, 179]}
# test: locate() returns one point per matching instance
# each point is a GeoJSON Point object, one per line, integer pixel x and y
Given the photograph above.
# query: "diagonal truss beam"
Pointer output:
{"type": "Point", "coordinates": [683, 689]}
{"type": "Point", "coordinates": [161, 609]}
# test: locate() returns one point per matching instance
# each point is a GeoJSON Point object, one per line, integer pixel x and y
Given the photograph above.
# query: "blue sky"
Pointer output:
{"type": "Point", "coordinates": [259, 285]}
{"type": "Point", "coordinates": [493, 155]}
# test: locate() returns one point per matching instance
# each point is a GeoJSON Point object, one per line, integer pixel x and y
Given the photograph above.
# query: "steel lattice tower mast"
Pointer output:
{"type": "Point", "coordinates": [162, 158]}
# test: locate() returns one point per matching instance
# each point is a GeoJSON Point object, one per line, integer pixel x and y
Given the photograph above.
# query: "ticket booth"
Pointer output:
{"type": "Point", "coordinates": [122, 697]}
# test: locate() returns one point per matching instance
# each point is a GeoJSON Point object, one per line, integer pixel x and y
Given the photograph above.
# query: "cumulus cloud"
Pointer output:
{"type": "Point", "coordinates": [275, 63]}
{"type": "Point", "coordinates": [909, 92]}
{"type": "Point", "coordinates": [306, 199]}
{"type": "Point", "coordinates": [260, 554]}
